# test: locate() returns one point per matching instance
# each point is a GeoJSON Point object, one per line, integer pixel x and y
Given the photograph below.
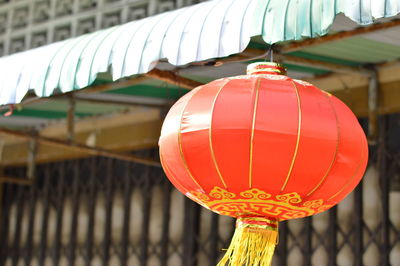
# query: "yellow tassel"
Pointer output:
{"type": "Point", "coordinates": [253, 243]}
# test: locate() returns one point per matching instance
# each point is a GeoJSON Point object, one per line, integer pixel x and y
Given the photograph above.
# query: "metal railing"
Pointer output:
{"type": "Point", "coordinates": [100, 211]}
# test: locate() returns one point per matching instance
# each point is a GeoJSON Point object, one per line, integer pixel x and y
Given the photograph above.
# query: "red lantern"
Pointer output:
{"type": "Point", "coordinates": [262, 148]}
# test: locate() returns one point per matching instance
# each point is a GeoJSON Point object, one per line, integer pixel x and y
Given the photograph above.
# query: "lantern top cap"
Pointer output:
{"type": "Point", "coordinates": [266, 68]}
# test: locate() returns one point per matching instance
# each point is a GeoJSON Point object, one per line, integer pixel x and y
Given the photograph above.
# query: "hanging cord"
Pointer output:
{"type": "Point", "coordinates": [270, 52]}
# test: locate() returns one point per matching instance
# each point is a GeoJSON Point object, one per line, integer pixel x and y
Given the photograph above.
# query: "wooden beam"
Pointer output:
{"type": "Point", "coordinates": [354, 89]}
{"type": "Point", "coordinates": [295, 46]}
{"type": "Point", "coordinates": [80, 148]}
{"type": "Point", "coordinates": [325, 65]}
{"type": "Point", "coordinates": [139, 129]}
{"type": "Point", "coordinates": [14, 180]}
{"type": "Point", "coordinates": [387, 72]}
{"type": "Point", "coordinates": [173, 78]}
{"type": "Point", "coordinates": [357, 99]}
{"type": "Point", "coordinates": [252, 54]}
{"type": "Point", "coordinates": [135, 116]}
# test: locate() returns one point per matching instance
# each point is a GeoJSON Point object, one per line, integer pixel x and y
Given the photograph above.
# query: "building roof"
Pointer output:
{"type": "Point", "coordinates": [211, 29]}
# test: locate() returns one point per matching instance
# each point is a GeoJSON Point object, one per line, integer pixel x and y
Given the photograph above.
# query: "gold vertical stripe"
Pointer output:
{"type": "Point", "coordinates": [181, 149]}
{"type": "Point", "coordinates": [297, 140]}
{"type": "Point", "coordinates": [210, 137]}
{"type": "Point", "coordinates": [252, 134]}
{"type": "Point", "coordinates": [336, 150]}
{"type": "Point", "coordinates": [350, 180]}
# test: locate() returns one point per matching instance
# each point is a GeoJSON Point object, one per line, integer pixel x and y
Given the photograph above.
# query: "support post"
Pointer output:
{"type": "Point", "coordinates": [283, 243]}
{"type": "Point", "coordinates": [384, 183]}
{"type": "Point", "coordinates": [358, 226]}
{"type": "Point", "coordinates": [71, 118]}
{"type": "Point", "coordinates": [373, 87]}
{"type": "Point", "coordinates": [332, 237]}
{"type": "Point", "coordinates": [31, 169]}
{"type": "Point", "coordinates": [1, 192]}
{"type": "Point", "coordinates": [308, 250]}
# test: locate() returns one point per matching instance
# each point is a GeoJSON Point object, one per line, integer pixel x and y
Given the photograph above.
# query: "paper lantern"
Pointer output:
{"type": "Point", "coordinates": [262, 148]}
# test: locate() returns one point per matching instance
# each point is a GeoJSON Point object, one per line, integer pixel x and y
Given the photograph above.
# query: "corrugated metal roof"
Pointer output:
{"type": "Point", "coordinates": [210, 29]}
{"type": "Point", "coordinates": [293, 20]}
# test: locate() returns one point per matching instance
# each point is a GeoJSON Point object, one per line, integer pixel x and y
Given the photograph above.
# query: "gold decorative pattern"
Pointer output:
{"type": "Point", "coordinates": [336, 150]}
{"type": "Point", "coordinates": [289, 198]}
{"type": "Point", "coordinates": [253, 124]}
{"type": "Point", "coordinates": [297, 140]}
{"type": "Point", "coordinates": [210, 136]}
{"type": "Point", "coordinates": [220, 194]}
{"type": "Point", "coordinates": [255, 193]}
{"type": "Point", "coordinates": [255, 202]}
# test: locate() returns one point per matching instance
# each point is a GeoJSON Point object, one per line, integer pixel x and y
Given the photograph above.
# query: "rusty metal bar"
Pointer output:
{"type": "Point", "coordinates": [282, 248]}
{"type": "Point", "coordinates": [173, 78]}
{"type": "Point", "coordinates": [92, 194]}
{"type": "Point", "coordinates": [33, 194]}
{"type": "Point", "coordinates": [385, 246]}
{"type": "Point", "coordinates": [214, 239]}
{"type": "Point", "coordinates": [332, 237]}
{"type": "Point", "coordinates": [75, 210]}
{"type": "Point", "coordinates": [16, 180]}
{"type": "Point", "coordinates": [144, 238]}
{"type": "Point", "coordinates": [358, 226]}
{"type": "Point", "coordinates": [59, 205]}
{"type": "Point", "coordinates": [43, 247]}
{"type": "Point", "coordinates": [5, 223]}
{"type": "Point", "coordinates": [127, 193]}
{"type": "Point", "coordinates": [109, 191]}
{"type": "Point", "coordinates": [308, 251]}
{"type": "Point", "coordinates": [166, 222]}
{"type": "Point", "coordinates": [20, 201]}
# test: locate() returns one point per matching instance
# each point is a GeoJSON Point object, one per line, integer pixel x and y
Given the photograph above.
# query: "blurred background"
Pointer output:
{"type": "Point", "coordinates": [80, 179]}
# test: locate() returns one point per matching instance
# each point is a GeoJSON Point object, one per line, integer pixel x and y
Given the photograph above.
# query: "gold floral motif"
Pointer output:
{"type": "Point", "coordinates": [197, 196]}
{"type": "Point", "coordinates": [314, 204]}
{"type": "Point", "coordinates": [255, 193]}
{"type": "Point", "coordinates": [289, 198]}
{"type": "Point", "coordinates": [220, 193]}
{"type": "Point", "coordinates": [258, 203]}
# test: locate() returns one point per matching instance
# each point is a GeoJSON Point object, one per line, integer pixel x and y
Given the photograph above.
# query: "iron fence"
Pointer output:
{"type": "Point", "coordinates": [101, 211]}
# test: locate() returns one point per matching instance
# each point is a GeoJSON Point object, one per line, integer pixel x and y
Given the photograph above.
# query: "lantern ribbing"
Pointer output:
{"type": "Point", "coordinates": [336, 151]}
{"type": "Point", "coordinates": [253, 125]}
{"type": "Point", "coordinates": [210, 136]}
{"type": "Point", "coordinates": [297, 139]}
{"type": "Point", "coordinates": [262, 147]}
